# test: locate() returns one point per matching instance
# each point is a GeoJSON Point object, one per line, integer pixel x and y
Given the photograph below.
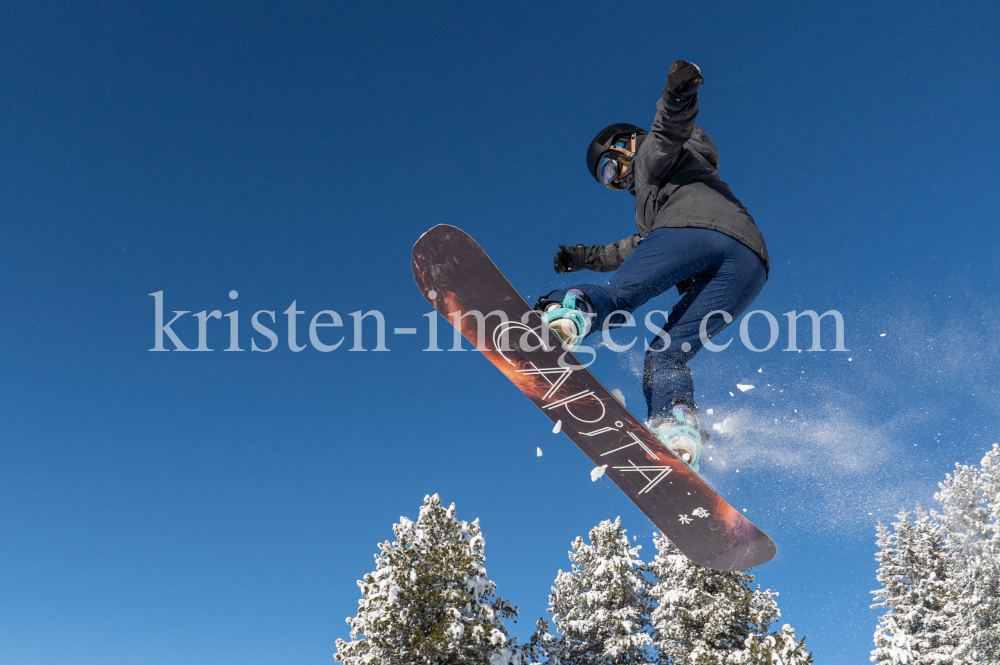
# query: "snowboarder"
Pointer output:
{"type": "Point", "coordinates": [693, 234]}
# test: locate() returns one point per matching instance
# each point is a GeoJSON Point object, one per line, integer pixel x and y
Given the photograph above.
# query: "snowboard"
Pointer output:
{"type": "Point", "coordinates": [460, 281]}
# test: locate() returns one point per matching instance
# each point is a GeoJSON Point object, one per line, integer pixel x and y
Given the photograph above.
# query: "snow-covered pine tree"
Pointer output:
{"type": "Point", "coordinates": [892, 641]}
{"type": "Point", "coordinates": [970, 501]}
{"type": "Point", "coordinates": [775, 649]}
{"type": "Point", "coordinates": [919, 624]}
{"type": "Point", "coordinates": [987, 612]}
{"type": "Point", "coordinates": [429, 601]}
{"type": "Point", "coordinates": [601, 606]}
{"type": "Point", "coordinates": [712, 617]}
{"type": "Point", "coordinates": [934, 598]}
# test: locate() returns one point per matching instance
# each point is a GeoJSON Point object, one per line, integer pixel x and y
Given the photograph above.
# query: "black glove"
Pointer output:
{"type": "Point", "coordinates": [570, 259]}
{"type": "Point", "coordinates": [684, 79]}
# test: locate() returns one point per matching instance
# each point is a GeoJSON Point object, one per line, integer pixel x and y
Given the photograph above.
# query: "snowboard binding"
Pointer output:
{"type": "Point", "coordinates": [570, 319]}
{"type": "Point", "coordinates": [682, 433]}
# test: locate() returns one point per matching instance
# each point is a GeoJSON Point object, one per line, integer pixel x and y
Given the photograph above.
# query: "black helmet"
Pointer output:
{"type": "Point", "coordinates": [605, 139]}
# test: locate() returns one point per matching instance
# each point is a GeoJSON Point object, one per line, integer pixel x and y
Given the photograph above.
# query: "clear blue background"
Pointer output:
{"type": "Point", "coordinates": [218, 507]}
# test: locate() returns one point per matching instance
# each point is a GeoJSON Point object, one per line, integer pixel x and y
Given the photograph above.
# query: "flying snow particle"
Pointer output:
{"type": "Point", "coordinates": [882, 335]}
{"type": "Point", "coordinates": [850, 359]}
{"type": "Point", "coordinates": [731, 394]}
{"type": "Point", "coordinates": [710, 411]}
{"type": "Point", "coordinates": [722, 427]}
{"type": "Point", "coordinates": [618, 395]}
{"type": "Point", "coordinates": [597, 472]}
{"type": "Point", "coordinates": [760, 371]}
{"type": "Point", "coordinates": [558, 427]}
{"type": "Point", "coordinates": [744, 387]}
{"type": "Point", "coordinates": [538, 452]}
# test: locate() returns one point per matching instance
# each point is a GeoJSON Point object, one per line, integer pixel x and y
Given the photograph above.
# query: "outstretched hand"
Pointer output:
{"type": "Point", "coordinates": [570, 259]}
{"type": "Point", "coordinates": [684, 79]}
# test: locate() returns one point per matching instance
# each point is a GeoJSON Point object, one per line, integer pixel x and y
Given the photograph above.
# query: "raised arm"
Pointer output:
{"type": "Point", "coordinates": [674, 123]}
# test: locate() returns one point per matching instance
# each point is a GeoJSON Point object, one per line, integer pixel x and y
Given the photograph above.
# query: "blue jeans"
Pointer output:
{"type": "Point", "coordinates": [725, 275]}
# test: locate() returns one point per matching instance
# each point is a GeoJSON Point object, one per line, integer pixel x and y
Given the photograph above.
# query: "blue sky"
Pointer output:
{"type": "Point", "coordinates": [218, 507]}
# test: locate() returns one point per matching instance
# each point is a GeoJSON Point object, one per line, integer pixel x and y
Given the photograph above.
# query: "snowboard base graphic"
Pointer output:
{"type": "Point", "coordinates": [461, 282]}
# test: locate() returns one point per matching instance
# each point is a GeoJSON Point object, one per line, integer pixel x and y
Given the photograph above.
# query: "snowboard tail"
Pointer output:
{"type": "Point", "coordinates": [460, 281]}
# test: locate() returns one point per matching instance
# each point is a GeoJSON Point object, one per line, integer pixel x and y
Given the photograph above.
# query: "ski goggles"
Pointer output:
{"type": "Point", "coordinates": [609, 169]}
{"type": "Point", "coordinates": [612, 165]}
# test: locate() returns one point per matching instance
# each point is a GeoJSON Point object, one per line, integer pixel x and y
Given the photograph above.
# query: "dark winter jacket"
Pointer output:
{"type": "Point", "coordinates": [675, 179]}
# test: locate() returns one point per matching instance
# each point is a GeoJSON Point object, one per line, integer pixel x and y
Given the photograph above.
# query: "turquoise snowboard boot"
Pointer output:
{"type": "Point", "coordinates": [682, 433]}
{"type": "Point", "coordinates": [569, 320]}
